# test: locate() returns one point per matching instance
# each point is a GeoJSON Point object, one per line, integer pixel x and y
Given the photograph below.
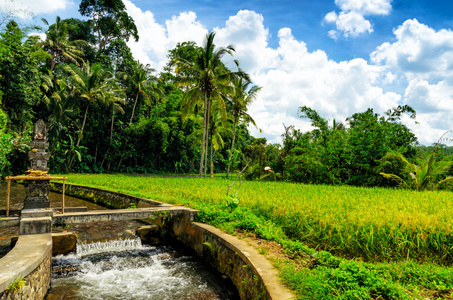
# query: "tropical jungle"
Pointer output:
{"type": "Point", "coordinates": [360, 209]}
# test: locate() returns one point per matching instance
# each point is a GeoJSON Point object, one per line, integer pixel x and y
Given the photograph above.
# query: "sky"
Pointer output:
{"type": "Point", "coordinates": [338, 57]}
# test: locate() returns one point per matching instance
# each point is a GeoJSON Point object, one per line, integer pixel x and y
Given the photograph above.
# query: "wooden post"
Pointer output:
{"type": "Point", "coordinates": [7, 196]}
{"type": "Point", "coordinates": [62, 209]}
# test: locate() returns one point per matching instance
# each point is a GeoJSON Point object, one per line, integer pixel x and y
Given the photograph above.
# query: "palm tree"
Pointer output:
{"type": "Point", "coordinates": [93, 85]}
{"type": "Point", "coordinates": [244, 94]}
{"type": "Point", "coordinates": [57, 98]}
{"type": "Point", "coordinates": [207, 79]}
{"type": "Point", "coordinates": [116, 108]}
{"type": "Point", "coordinates": [424, 176]}
{"type": "Point", "coordinates": [218, 127]}
{"type": "Point", "coordinates": [58, 44]}
{"type": "Point", "coordinates": [138, 81]}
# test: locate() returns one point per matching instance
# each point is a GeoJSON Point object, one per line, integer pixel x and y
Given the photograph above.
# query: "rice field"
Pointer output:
{"type": "Point", "coordinates": [374, 224]}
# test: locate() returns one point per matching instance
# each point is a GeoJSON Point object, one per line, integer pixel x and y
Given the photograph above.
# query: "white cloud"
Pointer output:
{"type": "Point", "coordinates": [156, 39]}
{"type": "Point", "coordinates": [351, 19]}
{"type": "Point", "coordinates": [350, 23]}
{"type": "Point", "coordinates": [419, 52]}
{"type": "Point", "coordinates": [292, 76]}
{"type": "Point", "coordinates": [246, 32]}
{"type": "Point", "coordinates": [366, 7]}
{"type": "Point", "coordinates": [423, 57]}
{"type": "Point", "coordinates": [25, 9]}
{"type": "Point", "coordinates": [428, 98]}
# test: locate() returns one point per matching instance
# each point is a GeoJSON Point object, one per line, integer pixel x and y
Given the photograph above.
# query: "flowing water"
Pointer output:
{"type": "Point", "coordinates": [126, 269]}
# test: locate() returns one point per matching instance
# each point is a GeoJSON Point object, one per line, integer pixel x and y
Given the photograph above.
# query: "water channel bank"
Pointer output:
{"type": "Point", "coordinates": [251, 273]}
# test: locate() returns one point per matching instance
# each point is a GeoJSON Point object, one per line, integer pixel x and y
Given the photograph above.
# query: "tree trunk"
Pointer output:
{"type": "Point", "coordinates": [96, 154]}
{"type": "Point", "coordinates": [111, 125]}
{"type": "Point", "coordinates": [133, 108]}
{"type": "Point", "coordinates": [52, 61]}
{"type": "Point", "coordinates": [83, 125]}
{"type": "Point", "coordinates": [204, 136]}
{"type": "Point", "coordinates": [232, 147]}
{"type": "Point", "coordinates": [80, 135]}
{"type": "Point", "coordinates": [208, 118]}
{"type": "Point", "coordinates": [212, 162]}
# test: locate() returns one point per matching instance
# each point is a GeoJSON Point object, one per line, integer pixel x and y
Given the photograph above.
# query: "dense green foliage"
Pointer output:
{"type": "Point", "coordinates": [5, 145]}
{"type": "Point", "coordinates": [104, 110]}
{"type": "Point", "coordinates": [107, 112]}
{"type": "Point", "coordinates": [406, 231]}
{"type": "Point", "coordinates": [341, 154]}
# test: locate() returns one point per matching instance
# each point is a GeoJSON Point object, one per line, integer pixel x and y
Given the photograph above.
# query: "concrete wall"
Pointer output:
{"type": "Point", "coordinates": [251, 273]}
{"type": "Point", "coordinates": [30, 259]}
{"type": "Point", "coordinates": [102, 197]}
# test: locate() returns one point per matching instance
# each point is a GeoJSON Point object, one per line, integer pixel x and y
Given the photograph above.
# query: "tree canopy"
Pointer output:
{"type": "Point", "coordinates": [107, 112]}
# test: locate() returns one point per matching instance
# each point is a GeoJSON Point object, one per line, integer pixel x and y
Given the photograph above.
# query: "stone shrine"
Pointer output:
{"type": "Point", "coordinates": [37, 190]}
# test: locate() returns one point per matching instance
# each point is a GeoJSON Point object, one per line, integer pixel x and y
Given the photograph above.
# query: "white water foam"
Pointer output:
{"type": "Point", "coordinates": [126, 269]}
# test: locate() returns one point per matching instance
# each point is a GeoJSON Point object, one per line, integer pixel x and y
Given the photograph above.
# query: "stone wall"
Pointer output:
{"type": "Point", "coordinates": [250, 272]}
{"type": "Point", "coordinates": [102, 197]}
{"type": "Point", "coordinates": [31, 260]}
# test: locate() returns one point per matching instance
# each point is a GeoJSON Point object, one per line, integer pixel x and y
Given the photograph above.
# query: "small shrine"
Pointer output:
{"type": "Point", "coordinates": [37, 191]}
{"type": "Point", "coordinates": [36, 179]}
{"type": "Point", "coordinates": [38, 155]}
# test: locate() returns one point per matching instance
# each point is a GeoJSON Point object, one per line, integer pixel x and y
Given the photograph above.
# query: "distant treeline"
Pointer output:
{"type": "Point", "coordinates": [107, 112]}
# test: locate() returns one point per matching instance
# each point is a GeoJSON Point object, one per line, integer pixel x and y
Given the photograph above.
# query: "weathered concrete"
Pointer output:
{"type": "Point", "coordinates": [108, 215]}
{"type": "Point", "coordinates": [9, 222]}
{"type": "Point", "coordinates": [71, 209]}
{"type": "Point", "coordinates": [251, 273]}
{"type": "Point", "coordinates": [64, 243]}
{"type": "Point", "coordinates": [36, 213]}
{"type": "Point", "coordinates": [35, 225]}
{"type": "Point", "coordinates": [149, 234]}
{"type": "Point", "coordinates": [30, 259]}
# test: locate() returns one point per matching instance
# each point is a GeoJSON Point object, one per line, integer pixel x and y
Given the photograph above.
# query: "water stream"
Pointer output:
{"type": "Point", "coordinates": [120, 269]}
{"type": "Point", "coordinates": [126, 269]}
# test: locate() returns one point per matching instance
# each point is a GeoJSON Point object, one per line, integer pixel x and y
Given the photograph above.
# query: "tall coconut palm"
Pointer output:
{"type": "Point", "coordinates": [207, 79]}
{"type": "Point", "coordinates": [92, 85]}
{"type": "Point", "coordinates": [57, 43]}
{"type": "Point", "coordinates": [139, 82]}
{"type": "Point", "coordinates": [217, 129]}
{"type": "Point", "coordinates": [244, 94]}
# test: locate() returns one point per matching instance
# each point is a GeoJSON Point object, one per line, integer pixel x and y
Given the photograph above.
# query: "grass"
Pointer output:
{"type": "Point", "coordinates": [375, 224]}
{"type": "Point", "coordinates": [381, 243]}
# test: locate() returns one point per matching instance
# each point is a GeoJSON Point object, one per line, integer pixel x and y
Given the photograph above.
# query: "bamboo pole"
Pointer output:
{"type": "Point", "coordinates": [8, 188]}
{"type": "Point", "coordinates": [62, 209]}
{"type": "Point", "coordinates": [7, 196]}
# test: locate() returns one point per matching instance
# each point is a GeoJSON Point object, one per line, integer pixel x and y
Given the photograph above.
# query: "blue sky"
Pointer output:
{"type": "Point", "coordinates": [336, 56]}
